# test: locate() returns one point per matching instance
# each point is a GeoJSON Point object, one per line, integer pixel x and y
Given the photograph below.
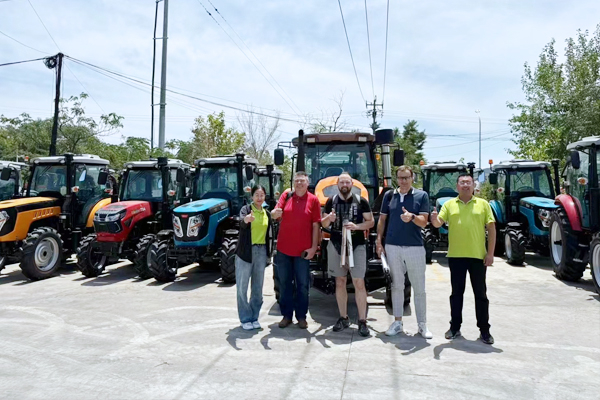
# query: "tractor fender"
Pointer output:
{"type": "Point", "coordinates": [497, 211]}
{"type": "Point", "coordinates": [99, 205]}
{"type": "Point", "coordinates": [165, 234]}
{"type": "Point", "coordinates": [572, 208]}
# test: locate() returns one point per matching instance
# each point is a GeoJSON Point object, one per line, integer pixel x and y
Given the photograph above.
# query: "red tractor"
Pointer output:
{"type": "Point", "coordinates": [126, 229]}
{"type": "Point", "coordinates": [575, 224]}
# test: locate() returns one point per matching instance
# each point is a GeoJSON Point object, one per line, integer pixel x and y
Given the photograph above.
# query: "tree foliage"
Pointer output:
{"type": "Point", "coordinates": [261, 135]}
{"type": "Point", "coordinates": [562, 99]}
{"type": "Point", "coordinates": [411, 140]}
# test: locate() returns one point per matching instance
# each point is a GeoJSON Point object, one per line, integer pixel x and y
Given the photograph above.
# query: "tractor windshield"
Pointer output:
{"type": "Point", "coordinates": [86, 178]}
{"type": "Point", "coordinates": [143, 184]}
{"type": "Point", "coordinates": [48, 178]}
{"type": "Point", "coordinates": [531, 182]}
{"type": "Point", "coordinates": [7, 188]}
{"type": "Point", "coordinates": [331, 159]}
{"type": "Point", "coordinates": [264, 181]}
{"type": "Point", "coordinates": [442, 183]}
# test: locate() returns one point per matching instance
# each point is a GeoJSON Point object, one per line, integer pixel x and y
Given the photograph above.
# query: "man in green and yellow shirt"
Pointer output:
{"type": "Point", "coordinates": [468, 217]}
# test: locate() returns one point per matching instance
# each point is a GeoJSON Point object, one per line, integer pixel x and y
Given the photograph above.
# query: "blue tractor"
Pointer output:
{"type": "Point", "coordinates": [206, 230]}
{"type": "Point", "coordinates": [524, 201]}
{"type": "Point", "coordinates": [439, 181]}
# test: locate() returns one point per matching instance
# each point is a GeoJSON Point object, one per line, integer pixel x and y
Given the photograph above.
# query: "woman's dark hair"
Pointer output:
{"type": "Point", "coordinates": [259, 187]}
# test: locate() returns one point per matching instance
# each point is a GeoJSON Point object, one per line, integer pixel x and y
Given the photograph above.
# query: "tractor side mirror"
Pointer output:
{"type": "Point", "coordinates": [249, 172]}
{"type": "Point", "coordinates": [180, 175]}
{"type": "Point", "coordinates": [278, 156]}
{"type": "Point", "coordinates": [575, 161]}
{"type": "Point", "coordinates": [398, 157]}
{"type": "Point", "coordinates": [102, 177]}
{"type": "Point", "coordinates": [493, 178]}
{"type": "Point", "coordinates": [5, 176]}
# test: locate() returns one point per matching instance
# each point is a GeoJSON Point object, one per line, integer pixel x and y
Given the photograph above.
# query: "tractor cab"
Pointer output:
{"type": "Point", "coordinates": [524, 194]}
{"type": "Point", "coordinates": [11, 180]}
{"type": "Point", "coordinates": [271, 180]}
{"type": "Point", "coordinates": [149, 191]}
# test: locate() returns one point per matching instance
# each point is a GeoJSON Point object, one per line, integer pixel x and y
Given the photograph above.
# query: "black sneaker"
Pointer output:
{"type": "Point", "coordinates": [341, 324]}
{"type": "Point", "coordinates": [450, 334]}
{"type": "Point", "coordinates": [363, 330]}
{"type": "Point", "coordinates": [486, 338]}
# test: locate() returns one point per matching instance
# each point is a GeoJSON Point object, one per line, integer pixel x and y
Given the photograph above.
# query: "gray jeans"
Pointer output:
{"type": "Point", "coordinates": [411, 260]}
{"type": "Point", "coordinates": [244, 272]}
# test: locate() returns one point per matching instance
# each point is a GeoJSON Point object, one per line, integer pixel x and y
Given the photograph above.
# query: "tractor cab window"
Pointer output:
{"type": "Point", "coordinates": [533, 182]}
{"type": "Point", "coordinates": [7, 188]}
{"type": "Point", "coordinates": [49, 178]}
{"type": "Point", "coordinates": [144, 184]}
{"type": "Point", "coordinates": [181, 189]}
{"type": "Point", "coordinates": [443, 183]}
{"type": "Point", "coordinates": [221, 182]}
{"type": "Point", "coordinates": [578, 184]}
{"type": "Point", "coordinates": [86, 178]}
{"type": "Point", "coordinates": [325, 160]}
{"type": "Point", "coordinates": [263, 180]}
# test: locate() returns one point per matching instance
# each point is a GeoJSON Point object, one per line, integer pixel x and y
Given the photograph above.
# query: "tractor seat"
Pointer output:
{"type": "Point", "coordinates": [333, 171]}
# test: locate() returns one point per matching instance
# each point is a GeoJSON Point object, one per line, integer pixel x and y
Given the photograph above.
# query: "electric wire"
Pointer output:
{"type": "Point", "coordinates": [387, 19]}
{"type": "Point", "coordinates": [369, 46]}
{"type": "Point", "coordinates": [21, 62]}
{"type": "Point", "coordinates": [22, 44]}
{"type": "Point", "coordinates": [350, 49]}
{"type": "Point", "coordinates": [462, 144]}
{"type": "Point", "coordinates": [246, 55]}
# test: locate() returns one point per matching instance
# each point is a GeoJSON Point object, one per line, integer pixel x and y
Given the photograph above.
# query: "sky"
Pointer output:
{"type": "Point", "coordinates": [445, 60]}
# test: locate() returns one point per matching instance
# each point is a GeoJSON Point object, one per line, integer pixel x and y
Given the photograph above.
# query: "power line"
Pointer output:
{"type": "Point", "coordinates": [257, 59]}
{"type": "Point", "coordinates": [44, 25]}
{"type": "Point", "coordinates": [23, 44]}
{"type": "Point", "coordinates": [387, 18]}
{"type": "Point", "coordinates": [21, 62]}
{"type": "Point", "coordinates": [369, 46]}
{"type": "Point", "coordinates": [462, 144]}
{"type": "Point", "coordinates": [350, 49]}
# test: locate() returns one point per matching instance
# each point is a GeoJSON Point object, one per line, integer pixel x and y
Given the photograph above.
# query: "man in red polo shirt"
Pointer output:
{"type": "Point", "coordinates": [300, 213]}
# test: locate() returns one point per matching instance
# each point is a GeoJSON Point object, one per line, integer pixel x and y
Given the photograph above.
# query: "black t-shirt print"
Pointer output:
{"type": "Point", "coordinates": [347, 210]}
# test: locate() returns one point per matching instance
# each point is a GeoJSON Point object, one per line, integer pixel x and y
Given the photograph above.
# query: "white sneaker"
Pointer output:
{"type": "Point", "coordinates": [423, 331]}
{"type": "Point", "coordinates": [395, 328]}
{"type": "Point", "coordinates": [247, 326]}
{"type": "Point", "coordinates": [256, 325]}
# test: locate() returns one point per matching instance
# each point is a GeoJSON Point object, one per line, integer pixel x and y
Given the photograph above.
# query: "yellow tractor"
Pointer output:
{"type": "Point", "coordinates": [45, 226]}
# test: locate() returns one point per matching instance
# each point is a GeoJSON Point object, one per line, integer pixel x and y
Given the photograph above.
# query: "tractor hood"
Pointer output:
{"type": "Point", "coordinates": [130, 205]}
{"type": "Point", "coordinates": [440, 202]}
{"type": "Point", "coordinates": [28, 203]}
{"type": "Point", "coordinates": [197, 206]}
{"type": "Point", "coordinates": [541, 202]}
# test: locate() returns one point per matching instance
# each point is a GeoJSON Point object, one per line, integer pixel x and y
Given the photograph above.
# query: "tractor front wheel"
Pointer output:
{"type": "Point", "coordinates": [563, 248]}
{"type": "Point", "coordinates": [42, 253]}
{"type": "Point", "coordinates": [90, 261]}
{"type": "Point", "coordinates": [3, 262]}
{"type": "Point", "coordinates": [141, 262]}
{"type": "Point", "coordinates": [163, 269]}
{"type": "Point", "coordinates": [514, 246]}
{"type": "Point", "coordinates": [429, 243]}
{"type": "Point", "coordinates": [595, 261]}
{"type": "Point", "coordinates": [227, 255]}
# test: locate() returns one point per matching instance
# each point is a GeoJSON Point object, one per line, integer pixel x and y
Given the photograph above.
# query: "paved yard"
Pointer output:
{"type": "Point", "coordinates": [71, 337]}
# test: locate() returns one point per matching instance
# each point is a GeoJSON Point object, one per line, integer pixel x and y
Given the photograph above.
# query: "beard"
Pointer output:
{"type": "Point", "coordinates": [345, 190]}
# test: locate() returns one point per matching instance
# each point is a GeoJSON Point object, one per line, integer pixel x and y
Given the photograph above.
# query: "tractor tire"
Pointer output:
{"type": "Point", "coordinates": [3, 262]}
{"type": "Point", "coordinates": [42, 253]}
{"type": "Point", "coordinates": [563, 247]}
{"type": "Point", "coordinates": [429, 243]}
{"type": "Point", "coordinates": [499, 248]}
{"type": "Point", "coordinates": [90, 262]}
{"type": "Point", "coordinates": [163, 269]}
{"type": "Point", "coordinates": [514, 245]}
{"type": "Point", "coordinates": [227, 255]}
{"type": "Point", "coordinates": [407, 289]}
{"type": "Point", "coordinates": [141, 262]}
{"type": "Point", "coordinates": [595, 261]}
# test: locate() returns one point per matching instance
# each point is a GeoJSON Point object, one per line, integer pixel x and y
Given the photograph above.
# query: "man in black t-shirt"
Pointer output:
{"type": "Point", "coordinates": [353, 212]}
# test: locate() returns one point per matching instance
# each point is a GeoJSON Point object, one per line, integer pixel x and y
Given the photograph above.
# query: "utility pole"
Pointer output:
{"type": "Point", "coordinates": [152, 105]}
{"type": "Point", "coordinates": [479, 115]}
{"type": "Point", "coordinates": [373, 113]}
{"type": "Point", "coordinates": [163, 80]}
{"type": "Point", "coordinates": [52, 63]}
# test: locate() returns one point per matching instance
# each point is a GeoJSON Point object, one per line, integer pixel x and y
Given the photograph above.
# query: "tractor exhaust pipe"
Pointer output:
{"type": "Point", "coordinates": [555, 163]}
{"type": "Point", "coordinates": [300, 159]}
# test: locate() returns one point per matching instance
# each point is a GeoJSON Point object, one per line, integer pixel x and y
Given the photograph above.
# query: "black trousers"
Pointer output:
{"type": "Point", "coordinates": [458, 278]}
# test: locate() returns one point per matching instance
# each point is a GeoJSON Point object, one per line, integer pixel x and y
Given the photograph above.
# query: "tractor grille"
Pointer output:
{"type": "Point", "coordinates": [108, 227]}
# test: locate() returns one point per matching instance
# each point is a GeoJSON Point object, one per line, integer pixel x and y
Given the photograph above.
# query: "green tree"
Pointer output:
{"type": "Point", "coordinates": [411, 140]}
{"type": "Point", "coordinates": [562, 99]}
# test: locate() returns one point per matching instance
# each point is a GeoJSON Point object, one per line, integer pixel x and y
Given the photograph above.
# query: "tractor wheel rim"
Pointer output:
{"type": "Point", "coordinates": [507, 246]}
{"type": "Point", "coordinates": [556, 243]}
{"type": "Point", "coordinates": [46, 254]}
{"type": "Point", "coordinates": [596, 264]}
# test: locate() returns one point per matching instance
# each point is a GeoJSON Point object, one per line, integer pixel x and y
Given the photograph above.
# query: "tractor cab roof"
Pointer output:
{"type": "Point", "coordinates": [518, 164]}
{"type": "Point", "coordinates": [89, 159]}
{"type": "Point", "coordinates": [220, 160]}
{"type": "Point", "coordinates": [262, 171]}
{"type": "Point", "coordinates": [445, 165]}
{"type": "Point", "coordinates": [152, 163]}
{"type": "Point", "coordinates": [353, 137]}
{"type": "Point", "coordinates": [585, 142]}
{"type": "Point", "coordinates": [13, 165]}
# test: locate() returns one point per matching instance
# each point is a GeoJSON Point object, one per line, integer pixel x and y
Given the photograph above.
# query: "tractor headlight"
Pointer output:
{"type": "Point", "coordinates": [116, 216]}
{"type": "Point", "coordinates": [544, 216]}
{"type": "Point", "coordinates": [177, 226]}
{"type": "Point", "coordinates": [194, 225]}
{"type": "Point", "coordinates": [3, 218]}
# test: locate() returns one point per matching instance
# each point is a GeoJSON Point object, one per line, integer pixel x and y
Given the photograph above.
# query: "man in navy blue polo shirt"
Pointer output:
{"type": "Point", "coordinates": [404, 212]}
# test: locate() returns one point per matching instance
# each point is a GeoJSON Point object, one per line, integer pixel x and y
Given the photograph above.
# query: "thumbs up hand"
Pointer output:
{"type": "Point", "coordinates": [250, 217]}
{"type": "Point", "coordinates": [406, 216]}
{"type": "Point", "coordinates": [434, 214]}
{"type": "Point", "coordinates": [331, 216]}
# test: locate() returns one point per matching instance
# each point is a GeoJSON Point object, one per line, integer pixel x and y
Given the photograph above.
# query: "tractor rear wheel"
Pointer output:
{"type": "Point", "coordinates": [514, 245]}
{"type": "Point", "coordinates": [595, 261]}
{"type": "Point", "coordinates": [429, 243]}
{"type": "Point", "coordinates": [563, 248]}
{"type": "Point", "coordinates": [3, 262]}
{"type": "Point", "coordinates": [227, 254]}
{"type": "Point", "coordinates": [499, 248]}
{"type": "Point", "coordinates": [162, 268]}
{"type": "Point", "coordinates": [141, 262]}
{"type": "Point", "coordinates": [90, 261]}
{"type": "Point", "coordinates": [42, 253]}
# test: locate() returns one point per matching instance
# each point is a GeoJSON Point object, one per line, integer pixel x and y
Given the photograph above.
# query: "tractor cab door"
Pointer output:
{"type": "Point", "coordinates": [9, 188]}
{"type": "Point", "coordinates": [578, 184]}
{"type": "Point", "coordinates": [87, 191]}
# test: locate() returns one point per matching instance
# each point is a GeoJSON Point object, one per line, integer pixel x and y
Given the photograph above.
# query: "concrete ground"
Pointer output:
{"type": "Point", "coordinates": [70, 337]}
